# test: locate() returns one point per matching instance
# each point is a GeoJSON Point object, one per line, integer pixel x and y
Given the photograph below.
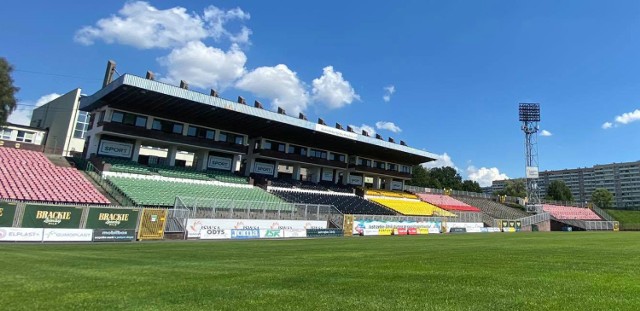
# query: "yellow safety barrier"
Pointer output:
{"type": "Point", "coordinates": [152, 224]}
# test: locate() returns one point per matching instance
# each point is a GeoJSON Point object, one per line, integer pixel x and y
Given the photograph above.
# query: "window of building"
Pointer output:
{"type": "Point", "coordinates": [82, 125]}
{"type": "Point", "coordinates": [26, 137]}
{"type": "Point", "coordinates": [167, 126]}
{"type": "Point", "coordinates": [231, 138]}
{"type": "Point", "coordinates": [314, 153]}
{"type": "Point", "coordinates": [117, 117]}
{"type": "Point", "coordinates": [141, 121]}
{"type": "Point", "coordinates": [5, 134]}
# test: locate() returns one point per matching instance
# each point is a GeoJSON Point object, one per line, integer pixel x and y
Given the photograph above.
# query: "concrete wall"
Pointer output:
{"type": "Point", "coordinates": [59, 116]}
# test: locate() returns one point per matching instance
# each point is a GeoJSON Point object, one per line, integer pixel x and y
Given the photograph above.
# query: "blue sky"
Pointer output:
{"type": "Point", "coordinates": [458, 69]}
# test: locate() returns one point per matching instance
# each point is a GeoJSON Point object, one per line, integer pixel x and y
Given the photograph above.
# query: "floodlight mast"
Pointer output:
{"type": "Point", "coordinates": [529, 114]}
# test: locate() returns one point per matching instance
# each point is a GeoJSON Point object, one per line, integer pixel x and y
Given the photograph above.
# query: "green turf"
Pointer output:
{"type": "Point", "coordinates": [520, 271]}
{"type": "Point", "coordinates": [625, 217]}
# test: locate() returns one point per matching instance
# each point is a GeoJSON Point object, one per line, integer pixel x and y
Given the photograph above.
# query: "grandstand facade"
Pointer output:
{"type": "Point", "coordinates": [621, 179]}
{"type": "Point", "coordinates": [221, 135]}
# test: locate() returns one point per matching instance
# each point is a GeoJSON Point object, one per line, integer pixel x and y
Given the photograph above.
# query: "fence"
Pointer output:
{"type": "Point", "coordinates": [109, 187]}
{"type": "Point", "coordinates": [190, 207]}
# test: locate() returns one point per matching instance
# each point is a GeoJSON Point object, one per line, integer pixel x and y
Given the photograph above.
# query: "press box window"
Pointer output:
{"type": "Point", "coordinates": [167, 126]}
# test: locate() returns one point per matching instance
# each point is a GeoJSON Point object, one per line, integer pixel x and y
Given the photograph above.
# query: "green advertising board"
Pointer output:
{"type": "Point", "coordinates": [7, 211]}
{"type": "Point", "coordinates": [51, 216]}
{"type": "Point", "coordinates": [112, 218]}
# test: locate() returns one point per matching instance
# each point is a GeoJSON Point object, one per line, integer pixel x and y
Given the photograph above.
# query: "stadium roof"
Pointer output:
{"type": "Point", "coordinates": [140, 95]}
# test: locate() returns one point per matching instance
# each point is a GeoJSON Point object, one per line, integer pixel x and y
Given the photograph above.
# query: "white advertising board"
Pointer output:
{"type": "Point", "coordinates": [219, 163]}
{"type": "Point", "coordinates": [271, 233]}
{"type": "Point", "coordinates": [336, 132]}
{"type": "Point", "coordinates": [263, 168]}
{"type": "Point", "coordinates": [532, 172]}
{"type": "Point", "coordinates": [396, 185]}
{"type": "Point", "coordinates": [327, 174]}
{"type": "Point", "coordinates": [195, 225]}
{"type": "Point", "coordinates": [295, 233]}
{"type": "Point", "coordinates": [355, 180]}
{"type": "Point", "coordinates": [367, 232]}
{"type": "Point", "coordinates": [361, 225]}
{"type": "Point", "coordinates": [214, 233]}
{"type": "Point", "coordinates": [115, 149]}
{"type": "Point", "coordinates": [21, 234]}
{"type": "Point", "coordinates": [67, 235]}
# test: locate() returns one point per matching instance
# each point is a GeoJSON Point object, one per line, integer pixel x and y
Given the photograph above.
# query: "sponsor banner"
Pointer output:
{"type": "Point", "coordinates": [327, 174]}
{"type": "Point", "coordinates": [474, 230]}
{"type": "Point", "coordinates": [336, 132]}
{"type": "Point", "coordinates": [532, 172]}
{"type": "Point", "coordinates": [245, 233]}
{"type": "Point", "coordinates": [360, 224]}
{"type": "Point", "coordinates": [400, 231]}
{"type": "Point", "coordinates": [484, 230]}
{"type": "Point", "coordinates": [412, 231]}
{"type": "Point", "coordinates": [7, 211]}
{"type": "Point", "coordinates": [367, 232]}
{"type": "Point", "coordinates": [434, 230]}
{"type": "Point", "coordinates": [271, 233]}
{"type": "Point", "coordinates": [423, 230]}
{"type": "Point", "coordinates": [263, 168]}
{"type": "Point", "coordinates": [44, 216]}
{"type": "Point", "coordinates": [21, 234]}
{"type": "Point", "coordinates": [115, 149]}
{"type": "Point", "coordinates": [509, 229]}
{"type": "Point", "coordinates": [324, 233]}
{"type": "Point", "coordinates": [214, 233]}
{"type": "Point", "coordinates": [219, 163]}
{"type": "Point", "coordinates": [195, 224]}
{"type": "Point", "coordinates": [355, 180]}
{"type": "Point", "coordinates": [112, 218]}
{"type": "Point", "coordinates": [396, 185]}
{"type": "Point", "coordinates": [457, 230]}
{"type": "Point", "coordinates": [295, 233]}
{"type": "Point", "coordinates": [67, 235]}
{"type": "Point", "coordinates": [386, 231]}
{"type": "Point", "coordinates": [493, 229]}
{"type": "Point", "coordinates": [114, 235]}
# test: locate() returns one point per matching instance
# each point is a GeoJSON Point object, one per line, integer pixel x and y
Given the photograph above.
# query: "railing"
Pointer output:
{"type": "Point", "coordinates": [602, 213]}
{"type": "Point", "coordinates": [109, 187]}
{"type": "Point", "coordinates": [239, 209]}
{"type": "Point", "coordinates": [601, 225]}
{"type": "Point", "coordinates": [535, 219]}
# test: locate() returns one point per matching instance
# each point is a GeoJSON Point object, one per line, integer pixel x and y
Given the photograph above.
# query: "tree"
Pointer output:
{"type": "Point", "coordinates": [422, 177]}
{"type": "Point", "coordinates": [558, 191]}
{"type": "Point", "coordinates": [7, 91]}
{"type": "Point", "coordinates": [514, 188]}
{"type": "Point", "coordinates": [602, 198]}
{"type": "Point", "coordinates": [447, 177]}
{"type": "Point", "coordinates": [471, 186]}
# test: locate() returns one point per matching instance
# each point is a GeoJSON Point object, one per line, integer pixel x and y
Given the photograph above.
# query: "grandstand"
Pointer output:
{"type": "Point", "coordinates": [570, 213]}
{"type": "Point", "coordinates": [493, 208]}
{"type": "Point", "coordinates": [29, 176]}
{"type": "Point", "coordinates": [346, 203]}
{"type": "Point", "coordinates": [446, 202]}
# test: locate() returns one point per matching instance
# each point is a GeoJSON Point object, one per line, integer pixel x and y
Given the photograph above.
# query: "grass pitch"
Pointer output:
{"type": "Point", "coordinates": [520, 271]}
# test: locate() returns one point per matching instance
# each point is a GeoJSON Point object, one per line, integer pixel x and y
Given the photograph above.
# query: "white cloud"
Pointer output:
{"type": "Point", "coordinates": [442, 160]}
{"type": "Point", "coordinates": [628, 117]}
{"type": "Point", "coordinates": [545, 133]}
{"type": "Point", "coordinates": [332, 90]}
{"type": "Point", "coordinates": [22, 115]}
{"type": "Point", "coordinates": [217, 18]}
{"type": "Point", "coordinates": [204, 66]}
{"type": "Point", "coordinates": [623, 119]}
{"type": "Point", "coordinates": [485, 176]}
{"type": "Point", "coordinates": [280, 85]}
{"type": "Point", "coordinates": [364, 127]}
{"type": "Point", "coordinates": [389, 126]}
{"type": "Point", "coordinates": [142, 25]}
{"type": "Point", "coordinates": [388, 91]}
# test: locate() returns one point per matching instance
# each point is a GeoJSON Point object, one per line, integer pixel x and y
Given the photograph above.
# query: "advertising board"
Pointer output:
{"type": "Point", "coordinates": [195, 224]}
{"type": "Point", "coordinates": [114, 235]}
{"type": "Point", "coordinates": [67, 235]}
{"type": "Point", "coordinates": [115, 149]}
{"type": "Point", "coordinates": [20, 234]}
{"type": "Point", "coordinates": [219, 163]}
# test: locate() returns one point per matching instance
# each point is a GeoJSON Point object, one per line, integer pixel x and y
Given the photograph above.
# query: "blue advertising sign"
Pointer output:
{"type": "Point", "coordinates": [245, 233]}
